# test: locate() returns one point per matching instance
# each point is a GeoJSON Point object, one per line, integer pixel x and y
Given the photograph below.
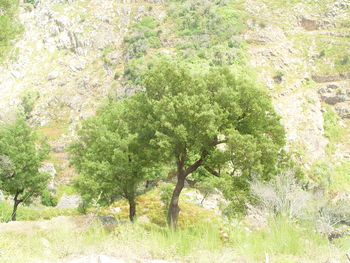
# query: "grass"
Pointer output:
{"type": "Point", "coordinates": [332, 54]}
{"type": "Point", "coordinates": [150, 206]}
{"type": "Point", "coordinates": [283, 241]}
{"type": "Point", "coordinates": [340, 181]}
{"type": "Point", "coordinates": [65, 190]}
{"type": "Point", "coordinates": [30, 214]}
{"type": "Point", "coordinates": [54, 129]}
{"type": "Point", "coordinates": [332, 129]}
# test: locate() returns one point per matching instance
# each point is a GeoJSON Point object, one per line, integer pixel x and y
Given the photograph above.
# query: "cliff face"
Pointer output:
{"type": "Point", "coordinates": [300, 51]}
{"type": "Point", "coordinates": [72, 53]}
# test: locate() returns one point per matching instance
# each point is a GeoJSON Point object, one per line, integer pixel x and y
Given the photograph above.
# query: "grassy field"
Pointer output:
{"type": "Point", "coordinates": [281, 241]}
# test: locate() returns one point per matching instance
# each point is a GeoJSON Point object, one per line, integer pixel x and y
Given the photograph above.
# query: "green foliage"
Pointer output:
{"type": "Point", "coordinates": [110, 161]}
{"type": "Point", "coordinates": [214, 120]}
{"type": "Point", "coordinates": [9, 26]}
{"type": "Point", "coordinates": [207, 31]}
{"type": "Point", "coordinates": [29, 214]}
{"type": "Point", "coordinates": [207, 17]}
{"type": "Point", "coordinates": [28, 100]}
{"type": "Point", "coordinates": [151, 208]}
{"type": "Point", "coordinates": [20, 144]}
{"type": "Point", "coordinates": [207, 186]}
{"type": "Point", "coordinates": [320, 173]}
{"type": "Point", "coordinates": [282, 240]}
{"type": "Point", "coordinates": [333, 131]}
{"type": "Point", "coordinates": [166, 191]}
{"type": "Point", "coordinates": [105, 55]}
{"type": "Point", "coordinates": [65, 190]}
{"type": "Point", "coordinates": [333, 56]}
{"type": "Point", "coordinates": [340, 181]}
{"type": "Point", "coordinates": [48, 199]}
{"type": "Point", "coordinates": [187, 115]}
{"type": "Point", "coordinates": [144, 36]}
{"type": "Point", "coordinates": [207, 34]}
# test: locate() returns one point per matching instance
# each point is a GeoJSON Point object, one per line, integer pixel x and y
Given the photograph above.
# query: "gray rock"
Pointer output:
{"type": "Point", "coordinates": [52, 75]}
{"type": "Point", "coordinates": [69, 201]}
{"type": "Point", "coordinates": [343, 110]}
{"type": "Point", "coordinates": [58, 149]}
{"type": "Point", "coordinates": [48, 168]}
{"type": "Point", "coordinates": [110, 220]}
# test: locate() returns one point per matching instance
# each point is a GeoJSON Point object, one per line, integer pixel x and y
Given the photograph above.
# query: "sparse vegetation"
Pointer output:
{"type": "Point", "coordinates": [9, 26]}
{"type": "Point", "coordinates": [333, 131]}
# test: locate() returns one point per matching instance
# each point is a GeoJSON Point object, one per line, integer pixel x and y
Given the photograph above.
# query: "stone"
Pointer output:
{"type": "Point", "coordinates": [58, 149]}
{"type": "Point", "coordinates": [69, 201]}
{"type": "Point", "coordinates": [116, 209]}
{"type": "Point", "coordinates": [48, 168]}
{"type": "Point", "coordinates": [52, 75]}
{"type": "Point", "coordinates": [110, 220]}
{"type": "Point", "coordinates": [2, 196]}
{"type": "Point", "coordinates": [343, 110]}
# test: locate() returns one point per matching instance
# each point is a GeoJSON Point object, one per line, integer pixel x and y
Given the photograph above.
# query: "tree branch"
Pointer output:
{"type": "Point", "coordinates": [194, 166]}
{"type": "Point", "coordinates": [212, 171]}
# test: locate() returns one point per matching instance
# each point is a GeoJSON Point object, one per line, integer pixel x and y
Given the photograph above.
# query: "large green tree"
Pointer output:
{"type": "Point", "coordinates": [22, 153]}
{"type": "Point", "coordinates": [217, 121]}
{"type": "Point", "coordinates": [110, 161]}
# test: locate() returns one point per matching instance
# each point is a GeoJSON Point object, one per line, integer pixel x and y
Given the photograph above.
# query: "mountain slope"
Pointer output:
{"type": "Point", "coordinates": [73, 54]}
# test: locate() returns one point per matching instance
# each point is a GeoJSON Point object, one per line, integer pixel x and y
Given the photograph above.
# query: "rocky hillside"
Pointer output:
{"type": "Point", "coordinates": [75, 53]}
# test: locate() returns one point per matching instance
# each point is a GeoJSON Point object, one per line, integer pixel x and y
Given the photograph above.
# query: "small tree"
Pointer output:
{"type": "Point", "coordinates": [214, 121]}
{"type": "Point", "coordinates": [110, 162]}
{"type": "Point", "coordinates": [22, 154]}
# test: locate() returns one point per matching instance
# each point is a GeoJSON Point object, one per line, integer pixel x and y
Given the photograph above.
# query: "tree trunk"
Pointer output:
{"type": "Point", "coordinates": [15, 205]}
{"type": "Point", "coordinates": [174, 209]}
{"type": "Point", "coordinates": [132, 208]}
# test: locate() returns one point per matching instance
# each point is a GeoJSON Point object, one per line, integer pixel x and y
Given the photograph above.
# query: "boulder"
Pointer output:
{"type": "Point", "coordinates": [69, 201]}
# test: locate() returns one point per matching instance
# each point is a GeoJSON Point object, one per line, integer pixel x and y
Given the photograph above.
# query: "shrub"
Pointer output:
{"type": "Point", "coordinates": [166, 191]}
{"type": "Point", "coordinates": [281, 196]}
{"type": "Point", "coordinates": [48, 199]}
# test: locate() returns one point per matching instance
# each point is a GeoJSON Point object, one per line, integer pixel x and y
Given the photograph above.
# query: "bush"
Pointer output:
{"type": "Point", "coordinates": [48, 199]}
{"type": "Point", "coordinates": [281, 196]}
{"type": "Point", "coordinates": [331, 216]}
{"type": "Point", "coordinates": [143, 36]}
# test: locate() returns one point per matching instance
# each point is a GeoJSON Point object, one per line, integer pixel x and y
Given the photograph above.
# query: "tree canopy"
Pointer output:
{"type": "Point", "coordinates": [22, 153]}
{"type": "Point", "coordinates": [215, 120]}
{"type": "Point", "coordinates": [110, 161]}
